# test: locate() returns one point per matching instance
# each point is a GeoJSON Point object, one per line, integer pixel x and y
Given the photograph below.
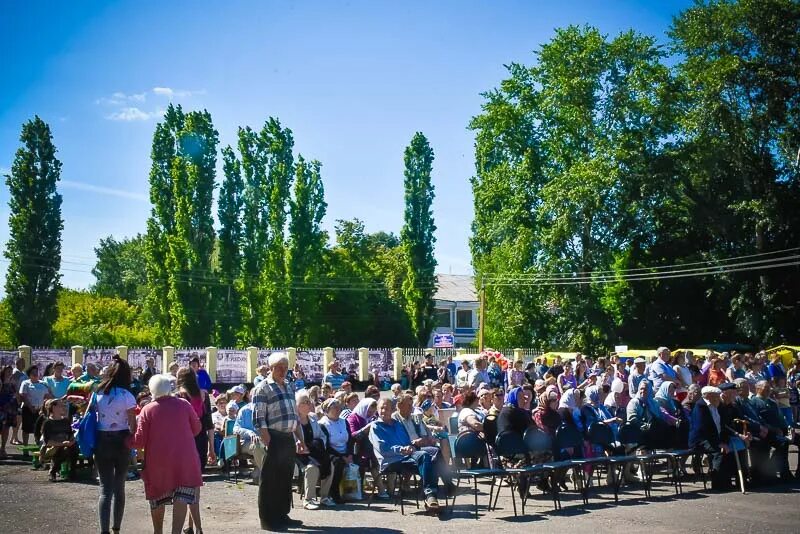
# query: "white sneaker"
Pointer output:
{"type": "Point", "coordinates": [310, 505]}
{"type": "Point", "coordinates": [327, 501]}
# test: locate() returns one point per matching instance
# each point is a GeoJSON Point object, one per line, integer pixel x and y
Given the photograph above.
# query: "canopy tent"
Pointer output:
{"type": "Point", "coordinates": [550, 357]}
{"type": "Point", "coordinates": [786, 353]}
{"type": "Point", "coordinates": [648, 354]}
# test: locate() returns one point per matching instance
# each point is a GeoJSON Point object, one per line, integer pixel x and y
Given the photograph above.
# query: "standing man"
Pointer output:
{"type": "Point", "coordinates": [334, 377]}
{"type": "Point", "coordinates": [429, 370]}
{"type": "Point", "coordinates": [451, 369]}
{"type": "Point", "coordinates": [275, 419]}
{"type": "Point", "coordinates": [17, 378]}
{"type": "Point", "coordinates": [203, 378]}
{"type": "Point", "coordinates": [149, 370]}
{"type": "Point", "coordinates": [661, 371]}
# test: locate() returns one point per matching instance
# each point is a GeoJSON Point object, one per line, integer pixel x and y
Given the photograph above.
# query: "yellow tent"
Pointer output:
{"type": "Point", "coordinates": [786, 352]}
{"type": "Point", "coordinates": [648, 354]}
{"type": "Point", "coordinates": [550, 357]}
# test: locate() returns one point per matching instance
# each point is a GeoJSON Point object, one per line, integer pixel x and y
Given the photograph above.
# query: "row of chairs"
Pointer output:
{"type": "Point", "coordinates": [473, 460]}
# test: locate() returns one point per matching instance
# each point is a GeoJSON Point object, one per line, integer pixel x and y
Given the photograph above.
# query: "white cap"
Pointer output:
{"type": "Point", "coordinates": [640, 360]}
{"type": "Point", "coordinates": [711, 390]}
{"type": "Point", "coordinates": [239, 389]}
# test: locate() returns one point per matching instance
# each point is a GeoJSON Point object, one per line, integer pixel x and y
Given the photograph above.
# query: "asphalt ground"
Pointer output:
{"type": "Point", "coordinates": [30, 503]}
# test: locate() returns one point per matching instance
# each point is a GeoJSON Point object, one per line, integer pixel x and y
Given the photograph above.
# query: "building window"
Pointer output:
{"type": "Point", "coordinates": [442, 318]}
{"type": "Point", "coordinates": [464, 319]}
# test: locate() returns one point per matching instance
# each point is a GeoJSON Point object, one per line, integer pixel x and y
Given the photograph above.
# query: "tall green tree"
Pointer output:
{"type": "Point", "coordinates": [567, 155]}
{"type": "Point", "coordinates": [417, 238]}
{"type": "Point", "coordinates": [180, 234]}
{"type": "Point", "coordinates": [306, 247]}
{"type": "Point", "coordinates": [119, 269]}
{"type": "Point", "coordinates": [229, 213]}
{"type": "Point", "coordinates": [741, 132]}
{"type": "Point", "coordinates": [33, 248]}
{"type": "Point", "coordinates": [267, 166]}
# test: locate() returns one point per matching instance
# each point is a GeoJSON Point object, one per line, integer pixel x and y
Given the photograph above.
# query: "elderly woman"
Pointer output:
{"type": "Point", "coordinates": [645, 413]}
{"type": "Point", "coordinates": [338, 443]}
{"type": "Point", "coordinates": [316, 464]}
{"type": "Point", "coordinates": [594, 411]}
{"type": "Point", "coordinates": [667, 400]}
{"type": "Point", "coordinates": [546, 416]}
{"type": "Point", "coordinates": [358, 424]}
{"type": "Point", "coordinates": [166, 431]}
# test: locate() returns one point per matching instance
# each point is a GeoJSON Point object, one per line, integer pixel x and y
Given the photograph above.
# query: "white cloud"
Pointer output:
{"type": "Point", "coordinates": [119, 99]}
{"type": "Point", "coordinates": [133, 114]}
{"type": "Point", "coordinates": [171, 93]}
{"type": "Point", "coordinates": [69, 184]}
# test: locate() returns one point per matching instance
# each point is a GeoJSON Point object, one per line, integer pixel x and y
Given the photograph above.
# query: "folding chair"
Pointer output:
{"type": "Point", "coordinates": [403, 474]}
{"type": "Point", "coordinates": [469, 447]}
{"type": "Point", "coordinates": [231, 451]}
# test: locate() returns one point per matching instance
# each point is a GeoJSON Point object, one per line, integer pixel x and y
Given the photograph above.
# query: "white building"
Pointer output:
{"type": "Point", "coordinates": [456, 308]}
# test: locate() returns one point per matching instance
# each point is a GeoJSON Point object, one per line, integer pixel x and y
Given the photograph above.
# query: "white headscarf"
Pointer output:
{"type": "Point", "coordinates": [362, 408]}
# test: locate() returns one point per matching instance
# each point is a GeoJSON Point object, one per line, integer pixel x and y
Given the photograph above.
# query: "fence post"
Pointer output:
{"type": "Point", "coordinates": [169, 357]}
{"type": "Point", "coordinates": [77, 355]}
{"type": "Point", "coordinates": [518, 355]}
{"type": "Point", "coordinates": [122, 350]}
{"type": "Point", "coordinates": [397, 355]}
{"type": "Point", "coordinates": [252, 363]}
{"type": "Point", "coordinates": [25, 354]}
{"type": "Point", "coordinates": [211, 363]}
{"type": "Point", "coordinates": [327, 360]}
{"type": "Point", "coordinates": [291, 353]}
{"type": "Point", "coordinates": [363, 364]}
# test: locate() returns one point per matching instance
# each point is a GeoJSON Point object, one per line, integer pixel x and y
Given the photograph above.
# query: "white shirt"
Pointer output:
{"type": "Point", "coordinates": [112, 409]}
{"type": "Point", "coordinates": [35, 391]}
{"type": "Point", "coordinates": [462, 418]}
{"type": "Point", "coordinates": [337, 430]}
{"type": "Point", "coordinates": [461, 377]}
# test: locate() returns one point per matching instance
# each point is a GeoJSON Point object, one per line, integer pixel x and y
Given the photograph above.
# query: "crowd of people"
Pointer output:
{"type": "Point", "coordinates": [718, 405]}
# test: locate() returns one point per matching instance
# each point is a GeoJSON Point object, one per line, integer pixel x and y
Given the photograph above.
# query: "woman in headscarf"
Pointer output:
{"type": "Point", "coordinates": [674, 415]}
{"type": "Point", "coordinates": [358, 424]}
{"type": "Point", "coordinates": [546, 416]}
{"type": "Point", "coordinates": [515, 416]}
{"type": "Point", "coordinates": [594, 411]}
{"type": "Point", "coordinates": [645, 413]}
{"type": "Point", "coordinates": [569, 406]}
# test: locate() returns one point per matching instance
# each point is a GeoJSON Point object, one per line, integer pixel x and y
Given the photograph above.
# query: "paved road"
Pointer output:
{"type": "Point", "coordinates": [29, 503]}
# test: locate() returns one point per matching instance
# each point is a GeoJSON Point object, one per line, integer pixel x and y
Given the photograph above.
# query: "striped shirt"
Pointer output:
{"type": "Point", "coordinates": [274, 407]}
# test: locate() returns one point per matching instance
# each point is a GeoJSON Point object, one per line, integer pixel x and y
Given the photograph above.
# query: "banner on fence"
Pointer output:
{"type": "Point", "coordinates": [231, 366]}
{"type": "Point", "coordinates": [381, 362]}
{"type": "Point", "coordinates": [8, 357]}
{"type": "Point", "coordinates": [42, 357]}
{"type": "Point", "coordinates": [310, 362]}
{"type": "Point", "coordinates": [137, 358]}
{"type": "Point", "coordinates": [182, 356]}
{"type": "Point", "coordinates": [99, 356]}
{"type": "Point", "coordinates": [348, 361]}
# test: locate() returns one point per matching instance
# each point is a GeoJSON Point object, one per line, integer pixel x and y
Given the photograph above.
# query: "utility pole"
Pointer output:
{"type": "Point", "coordinates": [481, 315]}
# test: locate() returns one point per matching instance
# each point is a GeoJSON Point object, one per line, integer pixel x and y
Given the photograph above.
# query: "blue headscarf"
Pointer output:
{"type": "Point", "coordinates": [663, 397]}
{"type": "Point", "coordinates": [511, 398]}
{"type": "Point", "coordinates": [652, 404]}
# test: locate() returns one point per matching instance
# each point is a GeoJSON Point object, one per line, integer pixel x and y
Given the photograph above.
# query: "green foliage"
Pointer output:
{"type": "Point", "coordinates": [306, 249]}
{"type": "Point", "coordinates": [96, 321]}
{"type": "Point", "coordinates": [229, 212]}
{"type": "Point", "coordinates": [180, 234]}
{"type": "Point", "coordinates": [417, 238]}
{"type": "Point", "coordinates": [33, 248]}
{"type": "Point", "coordinates": [7, 339]}
{"type": "Point", "coordinates": [119, 270]}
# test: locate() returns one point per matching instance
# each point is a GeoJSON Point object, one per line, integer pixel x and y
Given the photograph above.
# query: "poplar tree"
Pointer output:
{"type": "Point", "coordinates": [34, 243]}
{"type": "Point", "coordinates": [229, 213]}
{"type": "Point", "coordinates": [307, 243]}
{"type": "Point", "coordinates": [417, 238]}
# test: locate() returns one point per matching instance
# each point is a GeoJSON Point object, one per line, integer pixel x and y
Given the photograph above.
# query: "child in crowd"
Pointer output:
{"type": "Point", "coordinates": [57, 438]}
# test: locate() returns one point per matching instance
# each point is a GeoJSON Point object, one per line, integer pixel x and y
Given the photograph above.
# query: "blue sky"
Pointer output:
{"type": "Point", "coordinates": [353, 80]}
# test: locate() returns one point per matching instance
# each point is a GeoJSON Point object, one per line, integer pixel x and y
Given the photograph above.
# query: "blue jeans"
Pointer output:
{"type": "Point", "coordinates": [423, 461]}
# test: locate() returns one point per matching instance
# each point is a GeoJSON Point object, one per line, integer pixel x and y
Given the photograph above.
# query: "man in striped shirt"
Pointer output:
{"type": "Point", "coordinates": [335, 377]}
{"type": "Point", "coordinates": [275, 420]}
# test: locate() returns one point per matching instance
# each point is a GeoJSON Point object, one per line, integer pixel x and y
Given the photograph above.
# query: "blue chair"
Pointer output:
{"type": "Point", "coordinates": [468, 449]}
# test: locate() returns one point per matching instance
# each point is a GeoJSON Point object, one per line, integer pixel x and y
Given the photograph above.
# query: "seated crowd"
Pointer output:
{"type": "Point", "coordinates": [718, 407]}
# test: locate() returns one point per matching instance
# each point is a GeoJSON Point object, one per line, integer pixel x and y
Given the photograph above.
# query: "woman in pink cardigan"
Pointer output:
{"type": "Point", "coordinates": [171, 474]}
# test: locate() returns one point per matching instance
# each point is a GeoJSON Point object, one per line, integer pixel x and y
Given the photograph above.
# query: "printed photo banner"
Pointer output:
{"type": "Point", "coordinates": [310, 362]}
{"type": "Point", "coordinates": [231, 366]}
{"type": "Point", "coordinates": [348, 361]}
{"type": "Point", "coordinates": [42, 357]}
{"type": "Point", "coordinates": [263, 356]}
{"type": "Point", "coordinates": [182, 356]}
{"type": "Point", "coordinates": [137, 358]}
{"type": "Point", "coordinates": [381, 361]}
{"type": "Point", "coordinates": [99, 357]}
{"type": "Point", "coordinates": [8, 357]}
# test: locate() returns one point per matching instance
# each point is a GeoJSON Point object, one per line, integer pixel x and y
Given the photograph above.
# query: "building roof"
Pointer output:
{"type": "Point", "coordinates": [455, 288]}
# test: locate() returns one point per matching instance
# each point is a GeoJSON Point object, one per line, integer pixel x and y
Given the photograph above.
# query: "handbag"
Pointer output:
{"type": "Point", "coordinates": [87, 429]}
{"type": "Point", "coordinates": [350, 485]}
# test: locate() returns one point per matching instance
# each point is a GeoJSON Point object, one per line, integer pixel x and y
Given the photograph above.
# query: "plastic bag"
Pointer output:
{"type": "Point", "coordinates": [350, 486]}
